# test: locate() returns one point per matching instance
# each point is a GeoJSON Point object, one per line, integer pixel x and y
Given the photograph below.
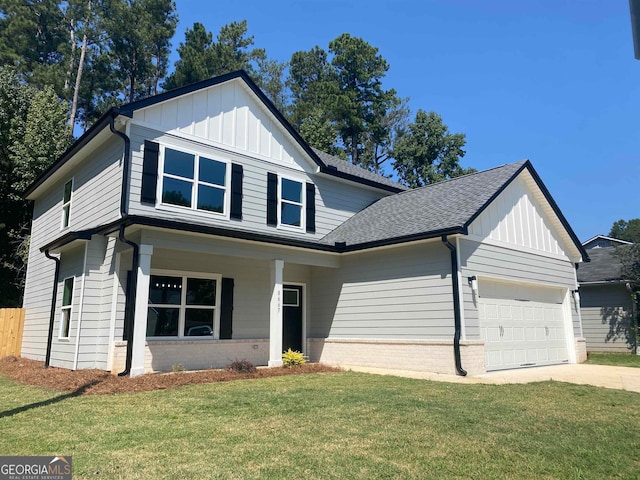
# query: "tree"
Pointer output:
{"type": "Point", "coordinates": [343, 88]}
{"type": "Point", "coordinates": [33, 132]}
{"type": "Point", "coordinates": [195, 62]}
{"type": "Point", "coordinates": [32, 37]}
{"type": "Point", "coordinates": [202, 58]}
{"type": "Point", "coordinates": [427, 153]}
{"type": "Point", "coordinates": [139, 33]}
{"type": "Point", "coordinates": [626, 230]}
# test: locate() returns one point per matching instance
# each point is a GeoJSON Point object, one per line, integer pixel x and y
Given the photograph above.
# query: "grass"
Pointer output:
{"type": "Point", "coordinates": [615, 359]}
{"type": "Point", "coordinates": [349, 425]}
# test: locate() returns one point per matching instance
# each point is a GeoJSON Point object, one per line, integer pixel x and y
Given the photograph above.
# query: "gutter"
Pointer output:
{"type": "Point", "coordinates": [132, 288]}
{"type": "Point", "coordinates": [52, 316]}
{"type": "Point", "coordinates": [456, 306]}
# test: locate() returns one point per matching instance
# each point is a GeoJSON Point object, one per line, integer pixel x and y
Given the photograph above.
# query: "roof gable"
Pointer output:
{"type": "Point", "coordinates": [448, 207]}
{"type": "Point", "coordinates": [228, 113]}
{"type": "Point", "coordinates": [520, 216]}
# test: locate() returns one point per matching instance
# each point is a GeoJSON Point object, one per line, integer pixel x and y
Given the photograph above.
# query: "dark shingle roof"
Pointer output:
{"type": "Point", "coordinates": [353, 170]}
{"type": "Point", "coordinates": [603, 267]}
{"type": "Point", "coordinates": [445, 207]}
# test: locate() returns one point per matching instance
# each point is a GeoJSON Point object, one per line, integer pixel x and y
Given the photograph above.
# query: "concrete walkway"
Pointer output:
{"type": "Point", "coordinates": [621, 378]}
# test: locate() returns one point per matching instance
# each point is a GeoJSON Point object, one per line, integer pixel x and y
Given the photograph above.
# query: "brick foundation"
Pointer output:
{"type": "Point", "coordinates": [162, 355]}
{"type": "Point", "coordinates": [581, 350]}
{"type": "Point", "coordinates": [422, 355]}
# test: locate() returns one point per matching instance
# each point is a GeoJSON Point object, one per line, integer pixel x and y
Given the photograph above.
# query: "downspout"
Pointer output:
{"type": "Point", "coordinates": [131, 289]}
{"type": "Point", "coordinates": [52, 316]}
{"type": "Point", "coordinates": [456, 306]}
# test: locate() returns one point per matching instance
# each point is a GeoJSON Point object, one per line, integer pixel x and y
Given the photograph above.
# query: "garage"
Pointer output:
{"type": "Point", "coordinates": [522, 325]}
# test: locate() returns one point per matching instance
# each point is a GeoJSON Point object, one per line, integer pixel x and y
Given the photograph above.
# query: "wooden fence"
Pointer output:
{"type": "Point", "coordinates": [11, 325]}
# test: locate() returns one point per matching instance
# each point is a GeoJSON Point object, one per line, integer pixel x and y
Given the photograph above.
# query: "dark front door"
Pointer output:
{"type": "Point", "coordinates": [292, 318]}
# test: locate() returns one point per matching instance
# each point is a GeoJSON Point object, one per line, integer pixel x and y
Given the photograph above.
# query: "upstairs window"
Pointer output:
{"type": "Point", "coordinates": [194, 181]}
{"type": "Point", "coordinates": [66, 203]}
{"type": "Point", "coordinates": [291, 203]}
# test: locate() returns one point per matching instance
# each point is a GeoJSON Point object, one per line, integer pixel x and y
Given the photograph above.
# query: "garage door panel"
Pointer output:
{"type": "Point", "coordinates": [522, 332]}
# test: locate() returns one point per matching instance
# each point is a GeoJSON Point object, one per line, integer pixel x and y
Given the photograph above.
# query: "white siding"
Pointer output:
{"type": "Point", "coordinates": [517, 218]}
{"type": "Point", "coordinates": [228, 114]}
{"type": "Point", "coordinates": [335, 201]}
{"type": "Point", "coordinates": [498, 263]}
{"type": "Point", "coordinates": [399, 293]}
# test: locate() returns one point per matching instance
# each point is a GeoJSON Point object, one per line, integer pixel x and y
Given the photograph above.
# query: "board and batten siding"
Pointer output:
{"type": "Point", "coordinates": [508, 264]}
{"type": "Point", "coordinates": [336, 201]}
{"type": "Point", "coordinates": [95, 200]}
{"type": "Point", "coordinates": [228, 114]}
{"type": "Point", "coordinates": [517, 217]}
{"type": "Point", "coordinates": [400, 293]}
{"type": "Point", "coordinates": [606, 317]}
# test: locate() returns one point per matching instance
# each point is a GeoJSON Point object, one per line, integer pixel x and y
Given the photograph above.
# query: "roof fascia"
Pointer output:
{"type": "Point", "coordinates": [529, 167]}
{"type": "Point", "coordinates": [624, 242]}
{"type": "Point", "coordinates": [170, 94]}
{"type": "Point", "coordinates": [89, 135]}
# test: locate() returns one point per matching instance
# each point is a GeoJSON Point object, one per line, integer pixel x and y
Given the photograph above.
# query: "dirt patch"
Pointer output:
{"type": "Point", "coordinates": [99, 382]}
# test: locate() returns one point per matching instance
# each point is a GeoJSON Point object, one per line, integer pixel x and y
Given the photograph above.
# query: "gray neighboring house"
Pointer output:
{"type": "Point", "coordinates": [196, 227]}
{"type": "Point", "coordinates": [606, 304]}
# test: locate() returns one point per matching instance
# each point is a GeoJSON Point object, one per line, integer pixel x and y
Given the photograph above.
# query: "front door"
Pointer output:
{"type": "Point", "coordinates": [292, 318]}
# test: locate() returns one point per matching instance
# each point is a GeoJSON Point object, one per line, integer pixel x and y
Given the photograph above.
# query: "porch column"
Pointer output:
{"type": "Point", "coordinates": [140, 316]}
{"type": "Point", "coordinates": [275, 314]}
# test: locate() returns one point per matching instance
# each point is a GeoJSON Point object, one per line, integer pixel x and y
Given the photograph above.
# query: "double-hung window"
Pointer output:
{"type": "Point", "coordinates": [194, 181]}
{"type": "Point", "coordinates": [67, 302]}
{"type": "Point", "coordinates": [291, 203]}
{"type": "Point", "coordinates": [66, 203]}
{"type": "Point", "coordinates": [183, 306]}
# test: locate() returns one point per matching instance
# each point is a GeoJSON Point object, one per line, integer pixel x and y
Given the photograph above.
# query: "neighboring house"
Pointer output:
{"type": "Point", "coordinates": [601, 241]}
{"type": "Point", "coordinates": [606, 304]}
{"type": "Point", "coordinates": [196, 227]}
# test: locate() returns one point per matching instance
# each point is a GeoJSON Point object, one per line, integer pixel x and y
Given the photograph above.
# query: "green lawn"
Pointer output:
{"type": "Point", "coordinates": [616, 359]}
{"type": "Point", "coordinates": [346, 425]}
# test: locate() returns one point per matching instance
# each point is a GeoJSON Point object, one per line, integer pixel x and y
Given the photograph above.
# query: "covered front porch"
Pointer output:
{"type": "Point", "coordinates": [203, 301]}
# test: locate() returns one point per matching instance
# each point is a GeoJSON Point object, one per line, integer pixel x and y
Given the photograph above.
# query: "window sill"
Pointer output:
{"type": "Point", "coordinates": [191, 211]}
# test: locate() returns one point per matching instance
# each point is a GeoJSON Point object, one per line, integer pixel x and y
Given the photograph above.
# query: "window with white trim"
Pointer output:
{"type": "Point", "coordinates": [66, 203]}
{"type": "Point", "coordinates": [194, 181]}
{"type": "Point", "coordinates": [291, 203]}
{"type": "Point", "coordinates": [183, 306]}
{"type": "Point", "coordinates": [67, 303]}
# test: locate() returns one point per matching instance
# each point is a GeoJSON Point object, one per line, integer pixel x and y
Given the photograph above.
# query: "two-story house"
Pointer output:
{"type": "Point", "coordinates": [196, 227]}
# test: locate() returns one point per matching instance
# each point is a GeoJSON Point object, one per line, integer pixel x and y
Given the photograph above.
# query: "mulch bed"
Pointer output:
{"type": "Point", "coordinates": [99, 382]}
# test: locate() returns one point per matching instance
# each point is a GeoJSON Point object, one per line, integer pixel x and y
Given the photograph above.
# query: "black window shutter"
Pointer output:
{"type": "Point", "coordinates": [226, 309]}
{"type": "Point", "coordinates": [272, 199]}
{"type": "Point", "coordinates": [311, 208]}
{"type": "Point", "coordinates": [149, 172]}
{"type": "Point", "coordinates": [236, 191]}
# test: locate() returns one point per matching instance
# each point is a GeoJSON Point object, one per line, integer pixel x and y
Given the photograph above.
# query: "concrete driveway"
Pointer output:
{"type": "Point", "coordinates": [621, 378]}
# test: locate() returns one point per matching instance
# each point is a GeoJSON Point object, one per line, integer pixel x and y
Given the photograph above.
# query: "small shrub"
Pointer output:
{"type": "Point", "coordinates": [292, 359]}
{"type": "Point", "coordinates": [177, 368]}
{"type": "Point", "coordinates": [241, 366]}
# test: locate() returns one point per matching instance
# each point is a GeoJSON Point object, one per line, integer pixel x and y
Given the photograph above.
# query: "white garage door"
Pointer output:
{"type": "Point", "coordinates": [522, 326]}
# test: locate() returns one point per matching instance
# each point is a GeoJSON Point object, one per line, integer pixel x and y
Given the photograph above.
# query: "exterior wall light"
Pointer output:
{"type": "Point", "coordinates": [473, 283]}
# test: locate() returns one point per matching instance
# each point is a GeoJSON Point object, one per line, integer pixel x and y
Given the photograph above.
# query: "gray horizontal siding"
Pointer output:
{"type": "Point", "coordinates": [606, 317]}
{"type": "Point", "coordinates": [335, 201]}
{"type": "Point", "coordinates": [482, 259]}
{"type": "Point", "coordinates": [400, 293]}
{"type": "Point", "coordinates": [95, 201]}
{"type": "Point", "coordinates": [252, 287]}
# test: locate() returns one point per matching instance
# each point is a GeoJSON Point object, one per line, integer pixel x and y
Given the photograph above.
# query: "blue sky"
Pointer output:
{"type": "Point", "coordinates": [553, 81]}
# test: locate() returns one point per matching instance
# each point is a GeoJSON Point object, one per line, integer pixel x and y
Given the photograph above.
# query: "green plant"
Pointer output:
{"type": "Point", "coordinates": [291, 359]}
{"type": "Point", "coordinates": [177, 368]}
{"type": "Point", "coordinates": [241, 366]}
